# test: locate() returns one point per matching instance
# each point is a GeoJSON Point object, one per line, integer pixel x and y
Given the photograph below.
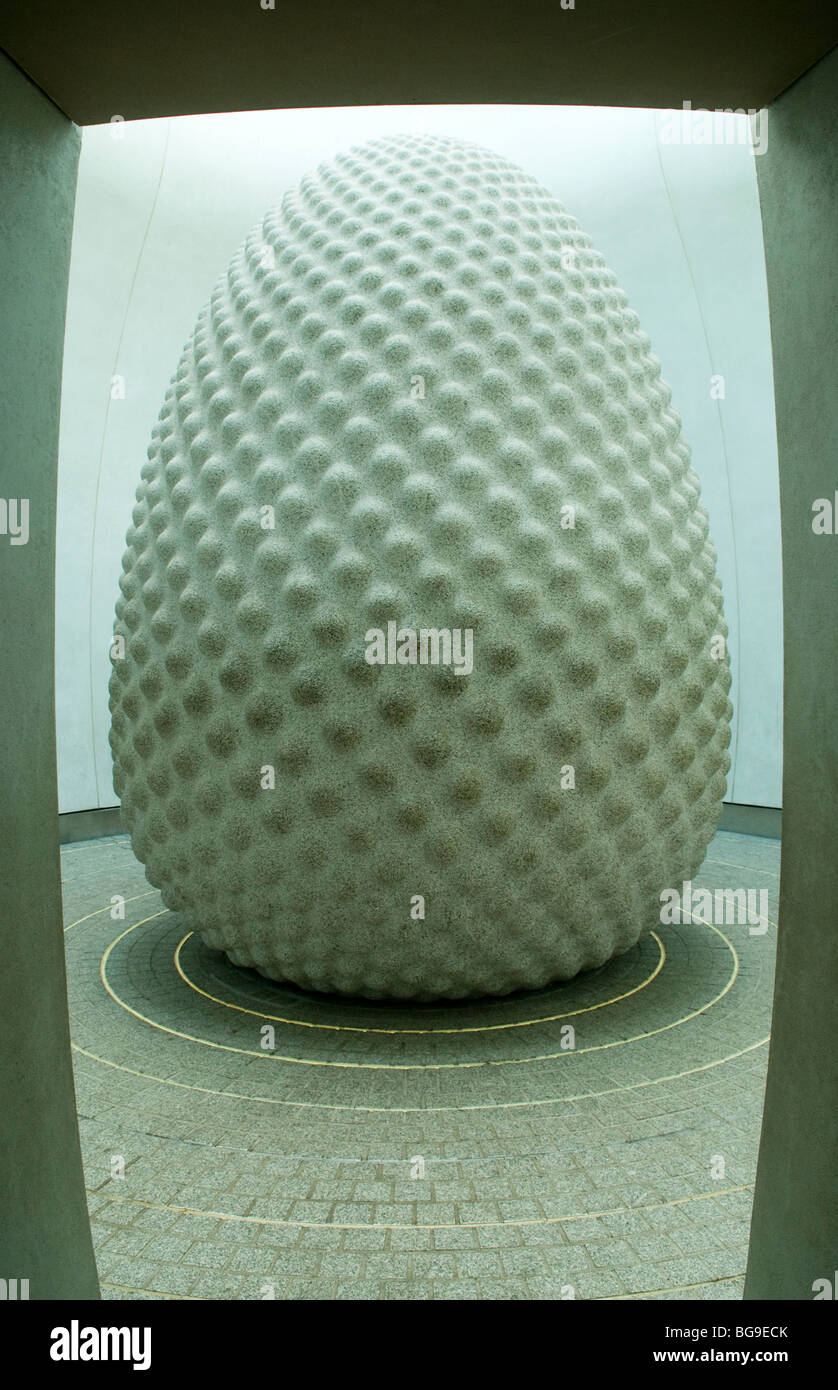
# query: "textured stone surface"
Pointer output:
{"type": "Point", "coordinates": [419, 265]}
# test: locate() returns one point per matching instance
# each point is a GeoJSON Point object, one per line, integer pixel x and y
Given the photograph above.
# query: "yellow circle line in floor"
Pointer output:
{"type": "Point", "coordinates": [84, 849]}
{"type": "Point", "coordinates": [268, 1279]}
{"type": "Point", "coordinates": [397, 1032]}
{"type": "Point", "coordinates": [749, 868]}
{"type": "Point", "coordinates": [420, 1109]}
{"type": "Point", "coordinates": [186, 1297]}
{"type": "Point", "coordinates": [405, 1066]}
{"type": "Point", "coordinates": [108, 907]}
{"type": "Point", "coordinates": [676, 1288]}
{"type": "Point", "coordinates": [346, 1028]}
{"type": "Point", "coordinates": [422, 1226]}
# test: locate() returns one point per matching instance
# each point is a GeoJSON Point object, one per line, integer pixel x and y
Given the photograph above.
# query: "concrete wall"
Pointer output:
{"type": "Point", "coordinates": [794, 1235]}
{"type": "Point", "coordinates": [162, 206]}
{"type": "Point", "coordinates": [44, 1230]}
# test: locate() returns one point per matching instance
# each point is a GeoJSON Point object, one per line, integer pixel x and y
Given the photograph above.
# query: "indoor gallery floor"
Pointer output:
{"type": "Point", "coordinates": [426, 1152]}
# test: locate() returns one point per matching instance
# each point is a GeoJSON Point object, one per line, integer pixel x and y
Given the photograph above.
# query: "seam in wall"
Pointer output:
{"type": "Point", "coordinates": [677, 224]}
{"type": "Point", "coordinates": [128, 303]}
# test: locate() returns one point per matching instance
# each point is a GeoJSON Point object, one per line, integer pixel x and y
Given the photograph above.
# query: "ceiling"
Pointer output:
{"type": "Point", "coordinates": [98, 58]}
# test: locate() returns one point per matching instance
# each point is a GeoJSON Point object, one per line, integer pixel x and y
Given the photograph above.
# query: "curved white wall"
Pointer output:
{"type": "Point", "coordinates": [162, 206]}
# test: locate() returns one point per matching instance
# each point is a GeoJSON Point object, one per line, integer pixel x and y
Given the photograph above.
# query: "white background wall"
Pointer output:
{"type": "Point", "coordinates": [163, 205]}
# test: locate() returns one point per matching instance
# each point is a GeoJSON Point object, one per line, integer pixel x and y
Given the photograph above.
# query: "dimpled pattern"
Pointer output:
{"type": "Point", "coordinates": [419, 262]}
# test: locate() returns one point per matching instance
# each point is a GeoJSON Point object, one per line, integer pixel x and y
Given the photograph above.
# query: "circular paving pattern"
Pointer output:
{"type": "Point", "coordinates": [244, 1139]}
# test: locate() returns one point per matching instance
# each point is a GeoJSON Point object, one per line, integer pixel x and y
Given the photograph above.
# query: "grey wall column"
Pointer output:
{"type": "Point", "coordinates": [44, 1227]}
{"type": "Point", "coordinates": [794, 1232]}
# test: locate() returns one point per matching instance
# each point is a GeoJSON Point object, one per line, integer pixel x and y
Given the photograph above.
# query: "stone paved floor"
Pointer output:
{"type": "Point", "coordinates": [416, 1152]}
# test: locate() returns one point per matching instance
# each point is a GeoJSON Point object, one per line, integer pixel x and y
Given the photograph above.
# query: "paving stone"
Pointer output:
{"type": "Point", "coordinates": [638, 1136]}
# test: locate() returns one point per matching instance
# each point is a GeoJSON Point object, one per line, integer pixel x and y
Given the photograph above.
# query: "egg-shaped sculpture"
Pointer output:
{"type": "Point", "coordinates": [423, 690]}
